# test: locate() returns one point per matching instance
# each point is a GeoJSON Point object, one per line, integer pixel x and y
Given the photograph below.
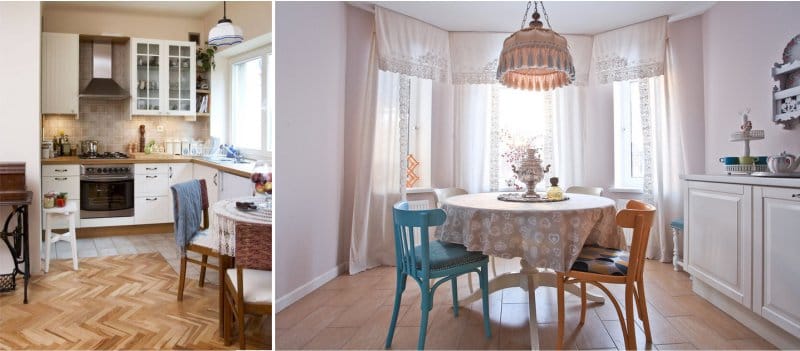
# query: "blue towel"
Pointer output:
{"type": "Point", "coordinates": [188, 212]}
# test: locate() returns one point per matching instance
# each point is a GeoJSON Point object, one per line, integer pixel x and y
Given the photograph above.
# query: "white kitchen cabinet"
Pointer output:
{"type": "Point", "coordinates": [62, 179]}
{"type": "Point", "coordinates": [719, 237]}
{"type": "Point", "coordinates": [233, 186]}
{"type": "Point", "coordinates": [178, 173]}
{"type": "Point", "coordinates": [151, 193]}
{"type": "Point", "coordinates": [60, 73]}
{"type": "Point", "coordinates": [776, 240]}
{"type": "Point", "coordinates": [211, 175]}
{"type": "Point", "coordinates": [162, 77]}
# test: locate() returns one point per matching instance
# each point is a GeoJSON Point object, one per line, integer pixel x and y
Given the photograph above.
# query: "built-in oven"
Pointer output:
{"type": "Point", "coordinates": [106, 191]}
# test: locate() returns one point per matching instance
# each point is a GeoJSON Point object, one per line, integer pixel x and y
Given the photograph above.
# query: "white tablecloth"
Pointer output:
{"type": "Point", "coordinates": [224, 216]}
{"type": "Point", "coordinates": [546, 235]}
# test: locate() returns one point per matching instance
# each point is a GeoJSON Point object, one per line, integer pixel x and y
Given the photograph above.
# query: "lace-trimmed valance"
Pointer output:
{"type": "Point", "coordinates": [411, 47]}
{"type": "Point", "coordinates": [633, 52]}
{"type": "Point", "coordinates": [473, 56]}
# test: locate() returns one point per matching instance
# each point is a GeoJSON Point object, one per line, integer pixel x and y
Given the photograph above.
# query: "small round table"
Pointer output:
{"type": "Point", "coordinates": [546, 235]}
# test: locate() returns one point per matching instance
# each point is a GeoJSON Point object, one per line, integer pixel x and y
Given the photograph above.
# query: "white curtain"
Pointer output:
{"type": "Point", "coordinates": [472, 111]}
{"type": "Point", "coordinates": [404, 50]}
{"type": "Point", "coordinates": [632, 52]}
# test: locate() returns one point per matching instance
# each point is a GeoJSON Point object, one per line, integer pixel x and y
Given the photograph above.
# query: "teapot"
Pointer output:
{"type": "Point", "coordinates": [783, 163]}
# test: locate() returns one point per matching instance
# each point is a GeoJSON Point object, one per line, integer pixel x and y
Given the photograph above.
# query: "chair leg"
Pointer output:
{"type": "Point", "coordinates": [240, 324]}
{"type": "Point", "coordinates": [560, 295]}
{"type": "Point", "coordinates": [203, 271]}
{"type": "Point", "coordinates": [454, 285]}
{"type": "Point", "coordinates": [226, 321]}
{"type": "Point", "coordinates": [48, 233]}
{"type": "Point", "coordinates": [642, 306]}
{"type": "Point", "coordinates": [73, 240]}
{"type": "Point", "coordinates": [630, 342]}
{"type": "Point", "coordinates": [425, 307]}
{"type": "Point", "coordinates": [583, 302]}
{"type": "Point", "coordinates": [398, 294]}
{"type": "Point", "coordinates": [483, 278]}
{"type": "Point", "coordinates": [182, 278]}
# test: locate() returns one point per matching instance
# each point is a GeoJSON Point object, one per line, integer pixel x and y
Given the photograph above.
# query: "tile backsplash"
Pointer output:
{"type": "Point", "coordinates": [109, 123]}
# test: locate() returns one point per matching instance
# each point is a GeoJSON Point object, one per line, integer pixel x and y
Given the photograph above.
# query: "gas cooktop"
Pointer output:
{"type": "Point", "coordinates": [107, 155]}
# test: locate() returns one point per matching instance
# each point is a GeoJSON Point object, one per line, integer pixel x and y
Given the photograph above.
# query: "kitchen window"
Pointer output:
{"type": "Point", "coordinates": [250, 124]}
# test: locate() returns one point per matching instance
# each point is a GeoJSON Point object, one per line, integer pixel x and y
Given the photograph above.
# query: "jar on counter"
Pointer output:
{"type": "Point", "coordinates": [49, 200]}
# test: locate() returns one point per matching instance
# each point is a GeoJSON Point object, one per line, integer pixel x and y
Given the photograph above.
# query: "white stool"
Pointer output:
{"type": "Point", "coordinates": [71, 212]}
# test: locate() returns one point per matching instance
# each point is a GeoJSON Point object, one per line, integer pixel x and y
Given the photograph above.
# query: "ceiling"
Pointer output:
{"type": "Point", "coordinates": [567, 17]}
{"type": "Point", "coordinates": [192, 9]}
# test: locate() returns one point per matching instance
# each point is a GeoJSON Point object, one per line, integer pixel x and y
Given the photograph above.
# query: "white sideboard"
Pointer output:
{"type": "Point", "coordinates": [742, 248]}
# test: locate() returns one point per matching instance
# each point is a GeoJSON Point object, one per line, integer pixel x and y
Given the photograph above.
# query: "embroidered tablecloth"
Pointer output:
{"type": "Point", "coordinates": [225, 216]}
{"type": "Point", "coordinates": [546, 235]}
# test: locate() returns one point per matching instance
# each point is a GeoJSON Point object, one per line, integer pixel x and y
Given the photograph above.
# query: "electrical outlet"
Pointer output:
{"type": "Point", "coordinates": [160, 129]}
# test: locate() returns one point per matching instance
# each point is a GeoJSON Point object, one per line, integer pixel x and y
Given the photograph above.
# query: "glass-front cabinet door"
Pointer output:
{"type": "Point", "coordinates": [163, 77]}
{"type": "Point", "coordinates": [146, 77]}
{"type": "Point", "coordinates": [181, 84]}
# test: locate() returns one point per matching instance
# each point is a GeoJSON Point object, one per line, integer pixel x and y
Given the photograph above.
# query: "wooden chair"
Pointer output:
{"type": "Point", "coordinates": [586, 190]}
{"type": "Point", "coordinates": [597, 265]}
{"type": "Point", "coordinates": [431, 260]}
{"type": "Point", "coordinates": [248, 287]}
{"type": "Point", "coordinates": [201, 243]}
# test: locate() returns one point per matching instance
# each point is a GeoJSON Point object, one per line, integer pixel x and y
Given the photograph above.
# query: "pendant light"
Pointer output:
{"type": "Point", "coordinates": [534, 57]}
{"type": "Point", "coordinates": [225, 33]}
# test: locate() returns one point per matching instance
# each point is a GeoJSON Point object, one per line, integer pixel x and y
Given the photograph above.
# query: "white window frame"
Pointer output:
{"type": "Point", "coordinates": [265, 52]}
{"type": "Point", "coordinates": [623, 179]}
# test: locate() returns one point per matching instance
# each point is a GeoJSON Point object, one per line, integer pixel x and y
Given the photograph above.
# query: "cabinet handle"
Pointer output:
{"type": "Point", "coordinates": [151, 198]}
{"type": "Point", "coordinates": [170, 172]}
{"type": "Point", "coordinates": [151, 169]}
{"type": "Point", "coordinates": [151, 177]}
{"type": "Point", "coordinates": [60, 178]}
{"type": "Point", "coordinates": [60, 170]}
{"type": "Point", "coordinates": [215, 178]}
{"type": "Point", "coordinates": [795, 195]}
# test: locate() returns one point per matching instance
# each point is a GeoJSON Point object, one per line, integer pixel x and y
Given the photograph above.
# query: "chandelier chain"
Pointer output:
{"type": "Point", "coordinates": [525, 16]}
{"type": "Point", "coordinates": [546, 17]}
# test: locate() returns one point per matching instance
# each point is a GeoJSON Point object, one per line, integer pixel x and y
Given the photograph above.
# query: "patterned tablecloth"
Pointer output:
{"type": "Point", "coordinates": [225, 216]}
{"type": "Point", "coordinates": [546, 235]}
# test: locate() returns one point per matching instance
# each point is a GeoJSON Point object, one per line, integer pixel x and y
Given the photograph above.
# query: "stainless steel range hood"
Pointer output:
{"type": "Point", "coordinates": [101, 86]}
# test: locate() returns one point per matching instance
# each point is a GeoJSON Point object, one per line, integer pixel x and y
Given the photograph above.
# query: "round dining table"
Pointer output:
{"type": "Point", "coordinates": [546, 236]}
{"type": "Point", "coordinates": [226, 219]}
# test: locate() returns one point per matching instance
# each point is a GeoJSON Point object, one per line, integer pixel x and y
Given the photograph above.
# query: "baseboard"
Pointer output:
{"type": "Point", "coordinates": [307, 288]}
{"type": "Point", "coordinates": [764, 328]}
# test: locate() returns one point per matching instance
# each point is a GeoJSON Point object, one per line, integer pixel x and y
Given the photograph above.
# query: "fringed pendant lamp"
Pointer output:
{"type": "Point", "coordinates": [225, 33]}
{"type": "Point", "coordinates": [535, 58]}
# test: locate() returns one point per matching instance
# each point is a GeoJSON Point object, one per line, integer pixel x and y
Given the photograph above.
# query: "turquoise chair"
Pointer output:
{"type": "Point", "coordinates": [431, 260]}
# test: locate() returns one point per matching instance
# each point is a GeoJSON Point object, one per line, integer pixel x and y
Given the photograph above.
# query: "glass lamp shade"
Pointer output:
{"type": "Point", "coordinates": [535, 59]}
{"type": "Point", "coordinates": [225, 33]}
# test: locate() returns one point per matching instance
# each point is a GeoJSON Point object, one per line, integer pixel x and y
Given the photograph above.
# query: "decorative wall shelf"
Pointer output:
{"type": "Point", "coordinates": [786, 94]}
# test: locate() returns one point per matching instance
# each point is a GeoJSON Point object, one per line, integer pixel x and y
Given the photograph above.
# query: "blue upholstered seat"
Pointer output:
{"type": "Point", "coordinates": [601, 260]}
{"type": "Point", "coordinates": [677, 224]}
{"type": "Point", "coordinates": [444, 255]}
{"type": "Point", "coordinates": [429, 260]}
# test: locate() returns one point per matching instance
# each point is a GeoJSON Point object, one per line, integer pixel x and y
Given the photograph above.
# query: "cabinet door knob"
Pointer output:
{"type": "Point", "coordinates": [796, 195]}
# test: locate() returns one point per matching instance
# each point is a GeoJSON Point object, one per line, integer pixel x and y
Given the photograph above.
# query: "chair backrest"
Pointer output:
{"type": "Point", "coordinates": [204, 196]}
{"type": "Point", "coordinates": [254, 246]}
{"type": "Point", "coordinates": [586, 190]}
{"type": "Point", "coordinates": [405, 223]}
{"type": "Point", "coordinates": [638, 216]}
{"type": "Point", "coordinates": [443, 193]}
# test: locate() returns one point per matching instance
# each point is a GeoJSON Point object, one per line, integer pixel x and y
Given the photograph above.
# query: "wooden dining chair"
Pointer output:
{"type": "Point", "coordinates": [248, 287]}
{"type": "Point", "coordinates": [586, 190]}
{"type": "Point", "coordinates": [597, 265]}
{"type": "Point", "coordinates": [431, 260]}
{"type": "Point", "coordinates": [441, 195]}
{"type": "Point", "coordinates": [202, 243]}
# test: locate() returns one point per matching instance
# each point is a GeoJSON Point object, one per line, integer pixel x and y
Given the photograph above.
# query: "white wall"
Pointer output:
{"type": "Point", "coordinates": [309, 123]}
{"type": "Point", "coordinates": [741, 42]}
{"type": "Point", "coordinates": [121, 23]}
{"type": "Point", "coordinates": [21, 131]}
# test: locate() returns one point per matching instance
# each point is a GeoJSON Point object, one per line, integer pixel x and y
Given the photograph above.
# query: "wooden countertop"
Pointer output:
{"type": "Point", "coordinates": [240, 169]}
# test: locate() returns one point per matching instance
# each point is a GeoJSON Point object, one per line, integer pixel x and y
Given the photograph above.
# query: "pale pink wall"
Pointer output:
{"type": "Point", "coordinates": [741, 43]}
{"type": "Point", "coordinates": [309, 124]}
{"type": "Point", "coordinates": [686, 47]}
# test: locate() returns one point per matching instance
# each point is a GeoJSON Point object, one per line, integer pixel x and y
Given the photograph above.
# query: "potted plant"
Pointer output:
{"type": "Point", "coordinates": [205, 58]}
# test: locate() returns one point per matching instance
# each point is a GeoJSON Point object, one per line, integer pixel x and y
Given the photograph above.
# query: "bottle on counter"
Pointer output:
{"type": "Point", "coordinates": [554, 192]}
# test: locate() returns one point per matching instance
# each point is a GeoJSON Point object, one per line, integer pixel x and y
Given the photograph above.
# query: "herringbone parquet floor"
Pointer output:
{"type": "Point", "coordinates": [117, 302]}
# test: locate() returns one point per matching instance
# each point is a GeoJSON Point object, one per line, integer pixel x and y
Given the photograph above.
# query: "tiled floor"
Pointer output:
{"type": "Point", "coordinates": [353, 312]}
{"type": "Point", "coordinates": [133, 244]}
